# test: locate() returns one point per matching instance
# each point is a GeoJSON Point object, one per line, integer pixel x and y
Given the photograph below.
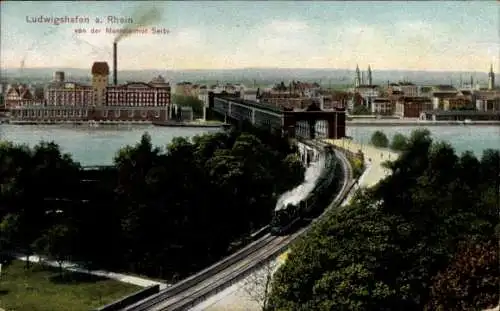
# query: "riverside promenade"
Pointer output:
{"type": "Point", "coordinates": [374, 157]}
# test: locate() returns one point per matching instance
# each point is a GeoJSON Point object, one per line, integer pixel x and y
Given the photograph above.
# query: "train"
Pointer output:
{"type": "Point", "coordinates": [287, 218]}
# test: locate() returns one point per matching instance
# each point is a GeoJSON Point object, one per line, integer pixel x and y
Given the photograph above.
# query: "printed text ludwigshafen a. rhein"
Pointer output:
{"type": "Point", "coordinates": [42, 19]}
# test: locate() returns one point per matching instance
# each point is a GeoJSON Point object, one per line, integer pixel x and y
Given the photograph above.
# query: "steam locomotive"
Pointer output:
{"type": "Point", "coordinates": [287, 218]}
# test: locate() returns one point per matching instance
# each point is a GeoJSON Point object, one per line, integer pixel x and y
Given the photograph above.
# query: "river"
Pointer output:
{"type": "Point", "coordinates": [461, 137]}
{"type": "Point", "coordinates": [97, 146]}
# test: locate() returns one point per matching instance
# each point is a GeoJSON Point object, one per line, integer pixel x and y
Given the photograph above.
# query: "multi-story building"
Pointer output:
{"type": "Point", "coordinates": [412, 107]}
{"type": "Point", "coordinates": [244, 92]}
{"type": "Point", "coordinates": [382, 106]}
{"type": "Point", "coordinates": [74, 102]}
{"type": "Point", "coordinates": [22, 95]}
{"type": "Point", "coordinates": [441, 92]}
{"type": "Point", "coordinates": [457, 103]}
{"type": "Point", "coordinates": [283, 99]}
{"type": "Point", "coordinates": [368, 93]}
{"type": "Point", "coordinates": [69, 94]}
{"type": "Point", "coordinates": [331, 100]}
{"type": "Point", "coordinates": [487, 100]}
{"type": "Point", "coordinates": [138, 94]}
{"type": "Point", "coordinates": [404, 88]}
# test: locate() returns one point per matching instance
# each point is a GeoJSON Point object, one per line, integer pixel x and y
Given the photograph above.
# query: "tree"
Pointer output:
{"type": "Point", "coordinates": [470, 282]}
{"type": "Point", "coordinates": [9, 232]}
{"type": "Point", "coordinates": [399, 142]}
{"type": "Point", "coordinates": [189, 101]}
{"type": "Point", "coordinates": [202, 196]}
{"type": "Point", "coordinates": [360, 109]}
{"type": "Point", "coordinates": [379, 139]}
{"type": "Point", "coordinates": [56, 243]}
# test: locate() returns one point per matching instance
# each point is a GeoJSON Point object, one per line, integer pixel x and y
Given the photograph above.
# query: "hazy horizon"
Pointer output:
{"type": "Point", "coordinates": [423, 36]}
{"type": "Point", "coordinates": [485, 70]}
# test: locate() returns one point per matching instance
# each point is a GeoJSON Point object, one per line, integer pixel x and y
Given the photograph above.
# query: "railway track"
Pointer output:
{"type": "Point", "coordinates": [195, 289]}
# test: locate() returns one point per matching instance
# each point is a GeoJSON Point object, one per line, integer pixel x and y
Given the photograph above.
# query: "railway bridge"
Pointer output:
{"type": "Point", "coordinates": [308, 123]}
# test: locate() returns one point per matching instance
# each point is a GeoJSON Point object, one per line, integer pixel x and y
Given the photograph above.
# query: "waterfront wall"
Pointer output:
{"type": "Point", "coordinates": [417, 123]}
{"type": "Point", "coordinates": [83, 114]}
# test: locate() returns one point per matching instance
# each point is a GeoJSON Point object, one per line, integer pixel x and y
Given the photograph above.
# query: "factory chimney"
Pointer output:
{"type": "Point", "coordinates": [115, 82]}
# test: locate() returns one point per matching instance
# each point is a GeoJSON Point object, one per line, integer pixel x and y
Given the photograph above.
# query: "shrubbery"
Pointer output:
{"type": "Point", "coordinates": [379, 139]}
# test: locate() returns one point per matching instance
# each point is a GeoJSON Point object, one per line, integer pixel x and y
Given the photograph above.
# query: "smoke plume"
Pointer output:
{"type": "Point", "coordinates": [96, 50]}
{"type": "Point", "coordinates": [36, 44]}
{"type": "Point", "coordinates": [142, 17]}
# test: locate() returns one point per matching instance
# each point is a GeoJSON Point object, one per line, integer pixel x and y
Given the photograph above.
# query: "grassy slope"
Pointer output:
{"type": "Point", "coordinates": [42, 289]}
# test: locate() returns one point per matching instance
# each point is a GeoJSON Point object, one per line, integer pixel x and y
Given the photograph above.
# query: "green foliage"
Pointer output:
{"type": "Point", "coordinates": [198, 195]}
{"type": "Point", "coordinates": [361, 110]}
{"type": "Point", "coordinates": [189, 101]}
{"type": "Point", "coordinates": [385, 250]}
{"type": "Point", "coordinates": [399, 142]}
{"type": "Point", "coordinates": [471, 280]}
{"type": "Point", "coordinates": [379, 139]}
{"type": "Point", "coordinates": [358, 167]}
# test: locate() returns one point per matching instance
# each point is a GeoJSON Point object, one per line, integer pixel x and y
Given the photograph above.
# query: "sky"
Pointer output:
{"type": "Point", "coordinates": [425, 35]}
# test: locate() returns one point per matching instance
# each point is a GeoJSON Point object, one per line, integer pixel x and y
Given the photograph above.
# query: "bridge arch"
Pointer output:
{"type": "Point", "coordinates": [315, 123]}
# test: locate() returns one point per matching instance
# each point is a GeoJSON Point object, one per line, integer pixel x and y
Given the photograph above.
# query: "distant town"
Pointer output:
{"type": "Point", "coordinates": [63, 100]}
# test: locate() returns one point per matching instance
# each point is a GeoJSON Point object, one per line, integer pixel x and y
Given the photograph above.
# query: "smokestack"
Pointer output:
{"type": "Point", "coordinates": [115, 82]}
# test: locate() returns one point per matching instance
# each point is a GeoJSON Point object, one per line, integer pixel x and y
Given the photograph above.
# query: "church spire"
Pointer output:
{"type": "Point", "coordinates": [357, 78]}
{"type": "Point", "coordinates": [491, 78]}
{"type": "Point", "coordinates": [370, 81]}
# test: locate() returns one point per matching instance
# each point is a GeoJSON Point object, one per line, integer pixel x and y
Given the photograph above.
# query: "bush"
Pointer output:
{"type": "Point", "coordinates": [358, 167]}
{"type": "Point", "coordinates": [379, 139]}
{"type": "Point", "coordinates": [399, 142]}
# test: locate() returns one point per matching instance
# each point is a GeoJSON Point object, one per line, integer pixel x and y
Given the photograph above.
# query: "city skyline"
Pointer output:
{"type": "Point", "coordinates": [457, 36]}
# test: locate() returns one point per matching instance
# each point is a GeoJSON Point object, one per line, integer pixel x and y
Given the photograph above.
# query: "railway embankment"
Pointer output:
{"type": "Point", "coordinates": [241, 295]}
{"type": "Point", "coordinates": [216, 280]}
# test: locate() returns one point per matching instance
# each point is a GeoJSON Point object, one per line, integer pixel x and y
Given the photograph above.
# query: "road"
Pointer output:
{"type": "Point", "coordinates": [375, 170]}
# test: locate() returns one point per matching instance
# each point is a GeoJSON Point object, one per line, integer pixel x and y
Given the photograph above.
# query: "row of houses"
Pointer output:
{"type": "Point", "coordinates": [408, 100]}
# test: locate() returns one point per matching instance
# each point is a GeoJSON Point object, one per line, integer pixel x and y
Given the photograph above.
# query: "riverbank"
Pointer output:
{"type": "Point", "coordinates": [209, 124]}
{"type": "Point", "coordinates": [79, 123]}
{"type": "Point", "coordinates": [402, 122]}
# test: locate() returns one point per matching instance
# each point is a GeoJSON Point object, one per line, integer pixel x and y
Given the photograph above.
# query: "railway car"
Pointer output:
{"type": "Point", "coordinates": [286, 219]}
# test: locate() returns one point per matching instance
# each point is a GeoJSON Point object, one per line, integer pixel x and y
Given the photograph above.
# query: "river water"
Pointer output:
{"type": "Point", "coordinates": [461, 137]}
{"type": "Point", "coordinates": [98, 146]}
